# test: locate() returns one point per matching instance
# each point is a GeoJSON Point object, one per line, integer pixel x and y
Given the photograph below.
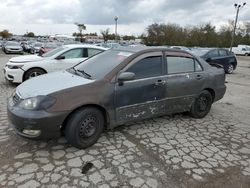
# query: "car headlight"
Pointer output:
{"type": "Point", "coordinates": [14, 66]}
{"type": "Point", "coordinates": [37, 103]}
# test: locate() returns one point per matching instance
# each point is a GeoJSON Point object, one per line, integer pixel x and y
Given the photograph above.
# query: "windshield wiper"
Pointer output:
{"type": "Point", "coordinates": [83, 72]}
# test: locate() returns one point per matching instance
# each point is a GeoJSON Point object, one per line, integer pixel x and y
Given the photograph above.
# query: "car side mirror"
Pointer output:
{"type": "Point", "coordinates": [125, 76]}
{"type": "Point", "coordinates": [60, 57]}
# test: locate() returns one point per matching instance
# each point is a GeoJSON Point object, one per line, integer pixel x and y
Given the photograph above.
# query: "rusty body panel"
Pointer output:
{"type": "Point", "coordinates": [141, 98]}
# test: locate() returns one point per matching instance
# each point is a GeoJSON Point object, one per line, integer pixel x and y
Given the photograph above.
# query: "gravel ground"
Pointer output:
{"type": "Point", "coordinates": [170, 151]}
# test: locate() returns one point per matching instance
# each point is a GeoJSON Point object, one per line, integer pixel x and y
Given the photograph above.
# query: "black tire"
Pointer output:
{"type": "Point", "coordinates": [33, 73]}
{"type": "Point", "coordinates": [202, 105]}
{"type": "Point", "coordinates": [230, 69]}
{"type": "Point", "coordinates": [84, 127]}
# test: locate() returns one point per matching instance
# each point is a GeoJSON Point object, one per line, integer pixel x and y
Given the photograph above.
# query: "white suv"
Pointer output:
{"type": "Point", "coordinates": [22, 68]}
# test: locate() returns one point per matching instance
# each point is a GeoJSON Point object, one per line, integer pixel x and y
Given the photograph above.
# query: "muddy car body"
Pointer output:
{"type": "Point", "coordinates": [113, 88]}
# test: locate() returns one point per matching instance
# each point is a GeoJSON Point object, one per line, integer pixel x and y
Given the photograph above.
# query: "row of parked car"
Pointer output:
{"type": "Point", "coordinates": [14, 47]}
{"type": "Point", "coordinates": [21, 68]}
{"type": "Point", "coordinates": [94, 88]}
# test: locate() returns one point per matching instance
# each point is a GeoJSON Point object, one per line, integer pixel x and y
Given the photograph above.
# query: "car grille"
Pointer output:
{"type": "Point", "coordinates": [16, 98]}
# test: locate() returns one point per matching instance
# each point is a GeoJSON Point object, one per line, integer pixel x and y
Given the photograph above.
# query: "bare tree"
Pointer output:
{"type": "Point", "coordinates": [81, 27]}
{"type": "Point", "coordinates": [105, 34]}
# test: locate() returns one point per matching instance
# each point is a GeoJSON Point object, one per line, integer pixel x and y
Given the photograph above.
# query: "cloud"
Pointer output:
{"type": "Point", "coordinates": [131, 13]}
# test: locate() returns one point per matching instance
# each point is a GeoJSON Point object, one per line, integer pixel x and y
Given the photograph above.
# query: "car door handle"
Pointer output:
{"type": "Point", "coordinates": [160, 83]}
{"type": "Point", "coordinates": [198, 77]}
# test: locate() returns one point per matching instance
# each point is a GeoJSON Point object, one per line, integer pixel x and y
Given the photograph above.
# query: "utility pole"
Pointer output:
{"type": "Point", "coordinates": [238, 7]}
{"type": "Point", "coordinates": [116, 19]}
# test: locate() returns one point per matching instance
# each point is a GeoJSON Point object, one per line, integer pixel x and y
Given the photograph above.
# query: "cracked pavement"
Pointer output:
{"type": "Point", "coordinates": [169, 151]}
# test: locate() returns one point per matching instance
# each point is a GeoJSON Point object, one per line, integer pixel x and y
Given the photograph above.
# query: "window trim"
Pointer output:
{"type": "Point", "coordinates": [137, 59]}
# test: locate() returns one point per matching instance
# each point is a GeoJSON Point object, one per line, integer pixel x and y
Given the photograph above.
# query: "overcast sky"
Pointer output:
{"type": "Point", "coordinates": [58, 16]}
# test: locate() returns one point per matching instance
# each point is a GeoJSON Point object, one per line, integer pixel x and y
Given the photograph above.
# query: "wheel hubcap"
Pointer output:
{"type": "Point", "coordinates": [230, 68]}
{"type": "Point", "coordinates": [202, 104]}
{"type": "Point", "coordinates": [34, 74]}
{"type": "Point", "coordinates": [88, 127]}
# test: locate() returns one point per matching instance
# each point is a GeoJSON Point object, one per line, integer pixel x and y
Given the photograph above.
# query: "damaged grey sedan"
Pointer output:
{"type": "Point", "coordinates": [111, 89]}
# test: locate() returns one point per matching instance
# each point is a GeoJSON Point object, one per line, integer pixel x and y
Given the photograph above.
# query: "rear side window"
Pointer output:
{"type": "Point", "coordinates": [177, 64]}
{"type": "Point", "coordinates": [147, 67]}
{"type": "Point", "coordinates": [223, 53]}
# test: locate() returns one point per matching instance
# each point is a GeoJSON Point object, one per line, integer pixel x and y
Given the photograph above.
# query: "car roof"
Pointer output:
{"type": "Point", "coordinates": [84, 45]}
{"type": "Point", "coordinates": [144, 49]}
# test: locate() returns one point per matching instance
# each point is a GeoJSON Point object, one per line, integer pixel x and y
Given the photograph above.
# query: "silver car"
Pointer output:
{"type": "Point", "coordinates": [12, 47]}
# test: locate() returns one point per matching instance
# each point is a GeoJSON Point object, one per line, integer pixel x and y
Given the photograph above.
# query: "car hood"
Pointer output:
{"type": "Point", "coordinates": [50, 83]}
{"type": "Point", "coordinates": [26, 58]}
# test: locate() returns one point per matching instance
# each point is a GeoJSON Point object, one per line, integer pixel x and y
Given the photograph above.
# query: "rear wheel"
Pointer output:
{"type": "Point", "coordinates": [202, 105]}
{"type": "Point", "coordinates": [230, 69]}
{"type": "Point", "coordinates": [33, 73]}
{"type": "Point", "coordinates": [84, 127]}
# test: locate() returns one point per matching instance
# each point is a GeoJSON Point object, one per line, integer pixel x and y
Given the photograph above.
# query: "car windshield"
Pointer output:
{"type": "Point", "coordinates": [38, 45]}
{"type": "Point", "coordinates": [100, 65]}
{"type": "Point", "coordinates": [50, 45]}
{"type": "Point", "coordinates": [12, 44]}
{"type": "Point", "coordinates": [53, 52]}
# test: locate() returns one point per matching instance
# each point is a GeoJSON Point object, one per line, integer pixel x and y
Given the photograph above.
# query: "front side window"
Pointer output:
{"type": "Point", "coordinates": [147, 67]}
{"type": "Point", "coordinates": [74, 53]}
{"type": "Point", "coordinates": [92, 52]}
{"type": "Point", "coordinates": [213, 53]}
{"type": "Point", "coordinates": [197, 66]}
{"type": "Point", "coordinates": [177, 64]}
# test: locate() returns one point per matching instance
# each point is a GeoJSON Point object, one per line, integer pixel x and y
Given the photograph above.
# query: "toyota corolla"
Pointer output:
{"type": "Point", "coordinates": [111, 89]}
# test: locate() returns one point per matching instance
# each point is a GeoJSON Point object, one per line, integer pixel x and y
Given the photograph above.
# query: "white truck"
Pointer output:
{"type": "Point", "coordinates": [241, 50]}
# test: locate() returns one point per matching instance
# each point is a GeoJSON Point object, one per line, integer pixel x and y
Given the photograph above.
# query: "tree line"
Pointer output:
{"type": "Point", "coordinates": [156, 34]}
{"type": "Point", "coordinates": [204, 35]}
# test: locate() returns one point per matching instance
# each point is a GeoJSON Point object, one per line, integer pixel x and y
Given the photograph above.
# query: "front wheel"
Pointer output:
{"type": "Point", "coordinates": [33, 73]}
{"type": "Point", "coordinates": [201, 105]}
{"type": "Point", "coordinates": [84, 127]}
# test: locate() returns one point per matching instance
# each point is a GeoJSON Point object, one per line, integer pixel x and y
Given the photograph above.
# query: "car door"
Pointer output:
{"type": "Point", "coordinates": [184, 81]}
{"type": "Point", "coordinates": [214, 57]}
{"type": "Point", "coordinates": [141, 97]}
{"type": "Point", "coordinates": [69, 59]}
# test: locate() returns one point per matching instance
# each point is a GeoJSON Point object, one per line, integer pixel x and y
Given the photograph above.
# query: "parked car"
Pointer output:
{"type": "Point", "coordinates": [218, 56]}
{"type": "Point", "coordinates": [47, 47]}
{"type": "Point", "coordinates": [12, 47]}
{"type": "Point", "coordinates": [241, 50]}
{"type": "Point", "coordinates": [111, 89]}
{"type": "Point", "coordinates": [19, 69]}
{"type": "Point", "coordinates": [35, 47]}
{"type": "Point", "coordinates": [109, 45]}
{"type": "Point", "coordinates": [180, 48]}
{"type": "Point", "coordinates": [26, 47]}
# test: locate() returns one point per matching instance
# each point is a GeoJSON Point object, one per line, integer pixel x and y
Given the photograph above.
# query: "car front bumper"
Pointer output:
{"type": "Point", "coordinates": [13, 75]}
{"type": "Point", "coordinates": [14, 50]}
{"type": "Point", "coordinates": [35, 124]}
